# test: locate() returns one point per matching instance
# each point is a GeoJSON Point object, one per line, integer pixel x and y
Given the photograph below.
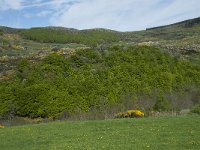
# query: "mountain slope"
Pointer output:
{"type": "Point", "coordinates": [55, 71]}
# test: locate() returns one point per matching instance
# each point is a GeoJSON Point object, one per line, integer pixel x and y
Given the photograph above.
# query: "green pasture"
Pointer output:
{"type": "Point", "coordinates": [182, 132]}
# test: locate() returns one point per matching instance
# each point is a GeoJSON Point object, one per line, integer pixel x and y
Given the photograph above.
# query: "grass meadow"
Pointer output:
{"type": "Point", "coordinates": [166, 133]}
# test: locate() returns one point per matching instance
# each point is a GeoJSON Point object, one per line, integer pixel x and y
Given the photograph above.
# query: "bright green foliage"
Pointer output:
{"type": "Point", "coordinates": [90, 79]}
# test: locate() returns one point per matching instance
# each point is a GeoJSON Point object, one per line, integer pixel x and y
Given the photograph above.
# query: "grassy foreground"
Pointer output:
{"type": "Point", "coordinates": [181, 132]}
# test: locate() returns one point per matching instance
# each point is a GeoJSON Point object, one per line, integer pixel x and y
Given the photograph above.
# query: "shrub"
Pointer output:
{"type": "Point", "coordinates": [130, 114]}
{"type": "Point", "coordinates": [196, 109]}
{"type": "Point", "coordinates": [161, 104]}
{"type": "Point", "coordinates": [135, 113]}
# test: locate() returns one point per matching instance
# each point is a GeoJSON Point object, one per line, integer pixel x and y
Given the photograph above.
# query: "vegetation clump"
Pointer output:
{"type": "Point", "coordinates": [130, 114]}
{"type": "Point", "coordinates": [196, 110]}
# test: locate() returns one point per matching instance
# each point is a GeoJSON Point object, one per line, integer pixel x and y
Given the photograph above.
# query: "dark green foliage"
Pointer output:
{"type": "Point", "coordinates": [196, 109]}
{"type": "Point", "coordinates": [90, 80]}
{"type": "Point", "coordinates": [23, 68]}
{"type": "Point", "coordinates": [87, 37]}
{"type": "Point", "coordinates": [4, 100]}
{"type": "Point", "coordinates": [191, 23]}
{"type": "Point", "coordinates": [7, 100]}
{"type": "Point", "coordinates": [161, 104]}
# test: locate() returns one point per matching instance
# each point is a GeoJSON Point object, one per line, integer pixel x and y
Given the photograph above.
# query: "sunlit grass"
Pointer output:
{"type": "Point", "coordinates": [145, 133]}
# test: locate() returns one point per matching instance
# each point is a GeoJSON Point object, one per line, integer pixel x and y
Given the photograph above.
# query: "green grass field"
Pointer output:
{"type": "Point", "coordinates": [161, 133]}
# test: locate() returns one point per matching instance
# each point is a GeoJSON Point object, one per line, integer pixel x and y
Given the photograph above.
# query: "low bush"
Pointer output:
{"type": "Point", "coordinates": [196, 110]}
{"type": "Point", "coordinates": [130, 114]}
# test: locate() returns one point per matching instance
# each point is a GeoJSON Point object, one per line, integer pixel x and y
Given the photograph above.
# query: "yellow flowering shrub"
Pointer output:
{"type": "Point", "coordinates": [135, 113]}
{"type": "Point", "coordinates": [130, 114]}
{"type": "Point", "coordinates": [1, 126]}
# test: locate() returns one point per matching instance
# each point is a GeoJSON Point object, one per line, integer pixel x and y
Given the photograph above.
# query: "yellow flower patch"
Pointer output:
{"type": "Point", "coordinates": [1, 126]}
{"type": "Point", "coordinates": [135, 113]}
{"type": "Point", "coordinates": [130, 114]}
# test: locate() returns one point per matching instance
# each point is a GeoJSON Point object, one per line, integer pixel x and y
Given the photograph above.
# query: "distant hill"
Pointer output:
{"type": "Point", "coordinates": [182, 37]}
{"type": "Point", "coordinates": [187, 24]}
{"type": "Point", "coordinates": [92, 37]}
{"type": "Point", "coordinates": [10, 30]}
{"type": "Point", "coordinates": [179, 38]}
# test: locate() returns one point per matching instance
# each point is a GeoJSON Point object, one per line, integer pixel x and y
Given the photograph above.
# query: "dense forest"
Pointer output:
{"type": "Point", "coordinates": [112, 80]}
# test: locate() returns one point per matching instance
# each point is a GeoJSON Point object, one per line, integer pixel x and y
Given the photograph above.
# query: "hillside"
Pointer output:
{"type": "Point", "coordinates": [59, 72]}
{"type": "Point", "coordinates": [179, 37]}
{"type": "Point", "coordinates": [90, 80]}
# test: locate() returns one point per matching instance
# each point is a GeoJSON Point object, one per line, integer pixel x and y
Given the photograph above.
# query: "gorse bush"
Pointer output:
{"type": "Point", "coordinates": [130, 114]}
{"type": "Point", "coordinates": [135, 113]}
{"type": "Point", "coordinates": [92, 80]}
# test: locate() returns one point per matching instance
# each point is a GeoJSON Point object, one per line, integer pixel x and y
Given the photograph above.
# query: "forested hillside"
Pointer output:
{"type": "Point", "coordinates": [56, 35]}
{"type": "Point", "coordinates": [53, 72]}
{"type": "Point", "coordinates": [117, 79]}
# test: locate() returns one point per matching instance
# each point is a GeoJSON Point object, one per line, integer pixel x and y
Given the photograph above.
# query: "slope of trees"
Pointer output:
{"type": "Point", "coordinates": [143, 77]}
{"type": "Point", "coordinates": [87, 37]}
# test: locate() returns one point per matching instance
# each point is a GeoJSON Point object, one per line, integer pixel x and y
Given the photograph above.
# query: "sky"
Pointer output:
{"type": "Point", "coordinates": [120, 15]}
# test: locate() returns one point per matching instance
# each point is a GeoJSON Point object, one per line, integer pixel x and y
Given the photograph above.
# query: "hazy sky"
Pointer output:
{"type": "Point", "coordinates": [121, 15]}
